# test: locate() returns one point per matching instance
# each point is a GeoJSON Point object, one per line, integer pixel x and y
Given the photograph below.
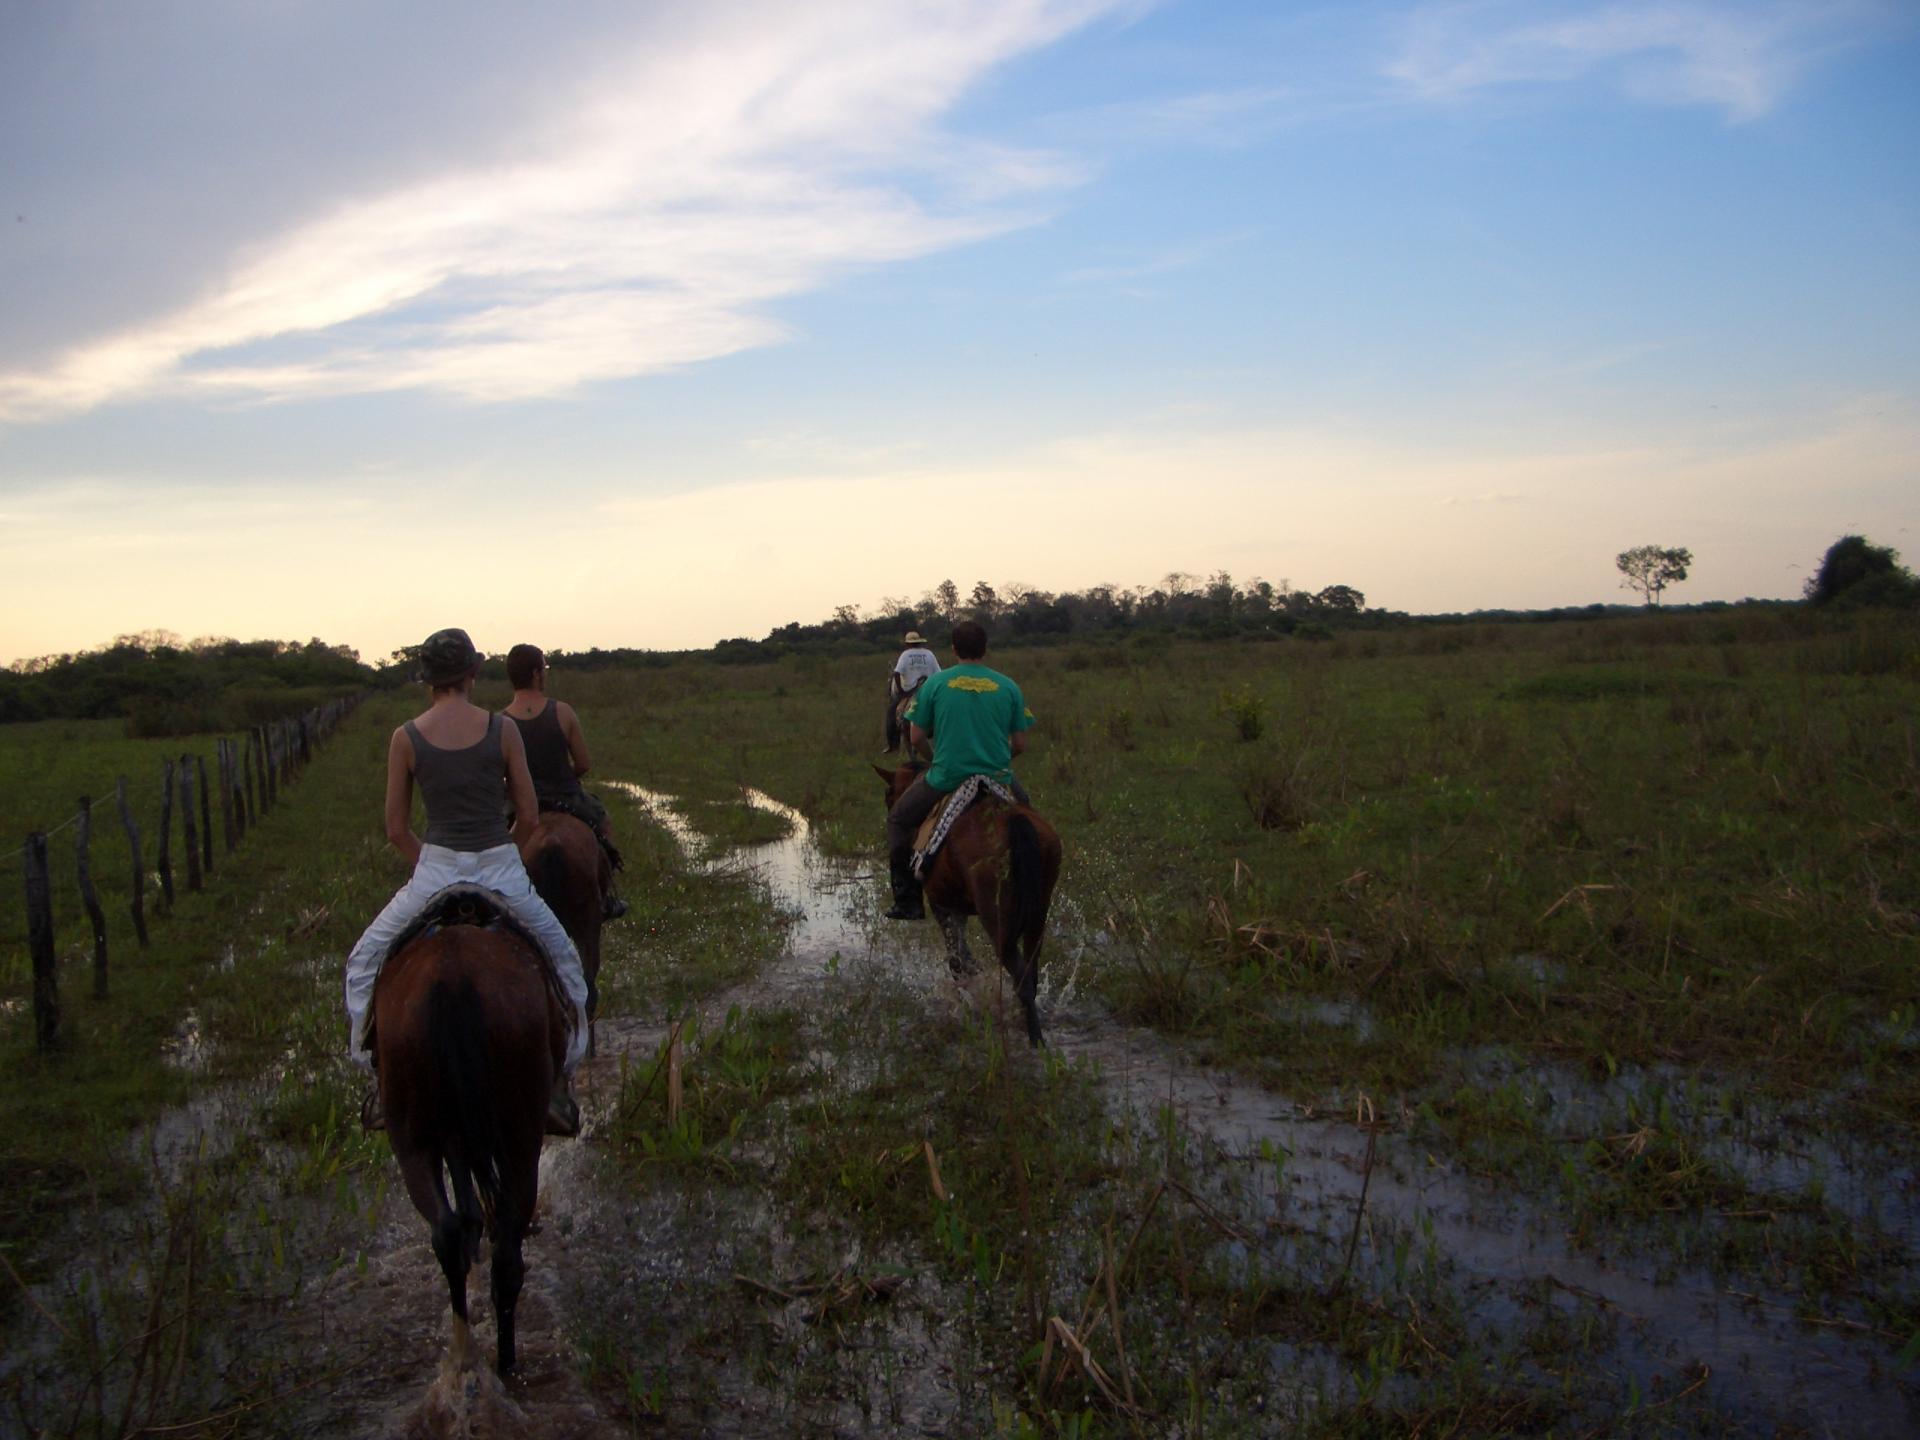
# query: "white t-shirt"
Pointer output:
{"type": "Point", "coordinates": [913, 666]}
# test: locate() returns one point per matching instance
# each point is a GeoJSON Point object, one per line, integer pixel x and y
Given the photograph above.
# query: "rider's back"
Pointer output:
{"type": "Point", "coordinates": [549, 760]}
{"type": "Point", "coordinates": [463, 786]}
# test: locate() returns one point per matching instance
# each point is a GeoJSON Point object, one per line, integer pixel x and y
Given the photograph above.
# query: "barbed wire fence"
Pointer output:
{"type": "Point", "coordinates": [249, 778]}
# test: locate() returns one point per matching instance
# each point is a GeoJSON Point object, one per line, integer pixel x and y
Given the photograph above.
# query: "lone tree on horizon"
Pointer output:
{"type": "Point", "coordinates": [1649, 569]}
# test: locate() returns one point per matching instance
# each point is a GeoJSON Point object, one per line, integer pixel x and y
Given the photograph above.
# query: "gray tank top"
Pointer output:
{"type": "Point", "coordinates": [465, 790]}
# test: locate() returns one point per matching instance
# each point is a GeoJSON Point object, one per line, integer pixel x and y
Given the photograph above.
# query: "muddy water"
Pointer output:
{"type": "Point", "coordinates": [1507, 1252]}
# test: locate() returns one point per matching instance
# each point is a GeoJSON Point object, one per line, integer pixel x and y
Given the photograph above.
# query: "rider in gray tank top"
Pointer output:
{"type": "Point", "coordinates": [465, 791]}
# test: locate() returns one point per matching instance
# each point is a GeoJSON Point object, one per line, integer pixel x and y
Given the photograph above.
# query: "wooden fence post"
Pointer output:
{"type": "Point", "coordinates": [46, 992]}
{"type": "Point", "coordinates": [223, 770]}
{"type": "Point", "coordinates": [138, 904]}
{"type": "Point", "coordinates": [90, 898]}
{"type": "Point", "coordinates": [242, 814]}
{"type": "Point", "coordinates": [266, 766]}
{"type": "Point", "coordinates": [256, 803]}
{"type": "Point", "coordinates": [206, 814]}
{"type": "Point", "coordinates": [190, 838]}
{"type": "Point", "coordinates": [166, 832]}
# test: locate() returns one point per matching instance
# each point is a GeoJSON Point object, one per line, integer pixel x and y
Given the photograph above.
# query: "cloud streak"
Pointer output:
{"type": "Point", "coordinates": [1739, 58]}
{"type": "Point", "coordinates": [692, 180]}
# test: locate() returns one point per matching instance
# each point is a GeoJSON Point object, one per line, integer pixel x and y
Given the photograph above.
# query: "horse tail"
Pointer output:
{"type": "Point", "coordinates": [1029, 872]}
{"type": "Point", "coordinates": [457, 1040]}
{"type": "Point", "coordinates": [1026, 923]}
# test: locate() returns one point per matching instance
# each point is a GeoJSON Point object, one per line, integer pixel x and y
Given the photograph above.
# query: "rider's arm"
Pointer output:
{"type": "Point", "coordinates": [400, 797]}
{"type": "Point", "coordinates": [526, 809]}
{"type": "Point", "coordinates": [1019, 741]}
{"type": "Point", "coordinates": [576, 740]}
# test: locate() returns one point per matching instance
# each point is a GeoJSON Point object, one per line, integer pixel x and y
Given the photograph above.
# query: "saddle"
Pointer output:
{"type": "Point", "coordinates": [588, 811]}
{"type": "Point", "coordinates": [949, 808]}
{"type": "Point", "coordinates": [467, 904]}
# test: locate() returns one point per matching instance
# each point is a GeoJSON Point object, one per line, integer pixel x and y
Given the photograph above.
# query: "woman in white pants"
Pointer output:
{"type": "Point", "coordinates": [468, 764]}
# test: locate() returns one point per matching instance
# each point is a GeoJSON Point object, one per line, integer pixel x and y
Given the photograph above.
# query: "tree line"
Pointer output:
{"type": "Point", "coordinates": [163, 685]}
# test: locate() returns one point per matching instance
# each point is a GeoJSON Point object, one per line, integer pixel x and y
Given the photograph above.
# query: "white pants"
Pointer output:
{"type": "Point", "coordinates": [500, 870]}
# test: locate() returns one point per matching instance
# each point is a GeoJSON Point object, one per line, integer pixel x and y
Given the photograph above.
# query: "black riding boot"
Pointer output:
{"type": "Point", "coordinates": [612, 907]}
{"type": "Point", "coordinates": [563, 1115]}
{"type": "Point", "coordinates": [907, 904]}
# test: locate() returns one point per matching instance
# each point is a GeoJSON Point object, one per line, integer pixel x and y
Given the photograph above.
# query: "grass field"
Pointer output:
{"type": "Point", "coordinates": [1620, 920]}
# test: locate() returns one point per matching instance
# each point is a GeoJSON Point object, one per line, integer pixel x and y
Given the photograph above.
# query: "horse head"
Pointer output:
{"type": "Point", "coordinates": [897, 780]}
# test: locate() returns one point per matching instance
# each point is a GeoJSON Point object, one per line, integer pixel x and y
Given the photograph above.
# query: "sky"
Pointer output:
{"type": "Point", "coordinates": [652, 324]}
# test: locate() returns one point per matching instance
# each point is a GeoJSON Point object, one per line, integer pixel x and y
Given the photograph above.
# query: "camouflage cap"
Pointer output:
{"type": "Point", "coordinates": [447, 656]}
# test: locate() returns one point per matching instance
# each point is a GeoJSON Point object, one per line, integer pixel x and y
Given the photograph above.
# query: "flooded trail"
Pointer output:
{"type": "Point", "coordinates": [1507, 1252]}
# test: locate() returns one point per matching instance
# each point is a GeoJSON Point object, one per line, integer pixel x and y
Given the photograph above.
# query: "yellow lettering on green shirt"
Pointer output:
{"type": "Point", "coordinates": [974, 684]}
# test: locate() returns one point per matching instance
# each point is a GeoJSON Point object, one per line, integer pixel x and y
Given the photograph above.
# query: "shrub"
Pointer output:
{"type": "Point", "coordinates": [1246, 710]}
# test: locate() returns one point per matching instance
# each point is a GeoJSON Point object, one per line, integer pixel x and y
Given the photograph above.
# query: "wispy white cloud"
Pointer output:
{"type": "Point", "coordinates": [1738, 56]}
{"type": "Point", "coordinates": [646, 225]}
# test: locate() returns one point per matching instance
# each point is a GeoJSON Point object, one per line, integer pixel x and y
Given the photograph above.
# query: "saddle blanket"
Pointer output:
{"type": "Point", "coordinates": [934, 831]}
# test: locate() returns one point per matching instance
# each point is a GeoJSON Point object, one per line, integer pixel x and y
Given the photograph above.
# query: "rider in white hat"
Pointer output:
{"type": "Point", "coordinates": [915, 664]}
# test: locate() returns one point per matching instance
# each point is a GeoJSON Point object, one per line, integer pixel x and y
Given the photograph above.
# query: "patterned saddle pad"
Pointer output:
{"type": "Point", "coordinates": [933, 830]}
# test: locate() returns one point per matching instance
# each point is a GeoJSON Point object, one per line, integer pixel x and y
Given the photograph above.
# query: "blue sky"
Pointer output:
{"type": "Point", "coordinates": [653, 324]}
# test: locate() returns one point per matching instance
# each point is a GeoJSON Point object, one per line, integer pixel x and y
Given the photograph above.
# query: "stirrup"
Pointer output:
{"type": "Point", "coordinates": [372, 1115]}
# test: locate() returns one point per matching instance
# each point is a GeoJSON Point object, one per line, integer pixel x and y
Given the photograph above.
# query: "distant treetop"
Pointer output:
{"type": "Point", "coordinates": [1855, 572]}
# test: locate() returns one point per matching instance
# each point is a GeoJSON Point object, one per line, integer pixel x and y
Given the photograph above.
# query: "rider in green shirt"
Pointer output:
{"type": "Point", "coordinates": [976, 719]}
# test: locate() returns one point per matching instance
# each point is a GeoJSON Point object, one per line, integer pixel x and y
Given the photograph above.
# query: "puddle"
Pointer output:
{"type": "Point", "coordinates": [830, 900]}
{"type": "Point", "coordinates": [1507, 1250]}
{"type": "Point", "coordinates": [186, 1049]}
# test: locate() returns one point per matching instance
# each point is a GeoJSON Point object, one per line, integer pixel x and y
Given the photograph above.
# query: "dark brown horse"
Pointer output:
{"type": "Point", "coordinates": [999, 862]}
{"type": "Point", "coordinates": [469, 1041]}
{"type": "Point", "coordinates": [571, 871]}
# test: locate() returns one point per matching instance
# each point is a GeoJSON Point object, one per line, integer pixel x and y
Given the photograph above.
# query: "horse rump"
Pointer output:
{"type": "Point", "coordinates": [466, 1065]}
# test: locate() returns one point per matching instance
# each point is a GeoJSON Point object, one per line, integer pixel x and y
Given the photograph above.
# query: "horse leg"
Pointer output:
{"type": "Point", "coordinates": [1029, 978]}
{"type": "Point", "coordinates": [953, 928]}
{"type": "Point", "coordinates": [513, 1211]}
{"type": "Point", "coordinates": [1029, 943]}
{"type": "Point", "coordinates": [421, 1173]}
{"type": "Point", "coordinates": [1024, 971]}
{"type": "Point", "coordinates": [509, 1271]}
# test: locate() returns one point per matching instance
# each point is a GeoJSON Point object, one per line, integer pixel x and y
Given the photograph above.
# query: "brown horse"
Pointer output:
{"type": "Point", "coordinates": [999, 862]}
{"type": "Point", "coordinates": [572, 874]}
{"type": "Point", "coordinates": [469, 1042]}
